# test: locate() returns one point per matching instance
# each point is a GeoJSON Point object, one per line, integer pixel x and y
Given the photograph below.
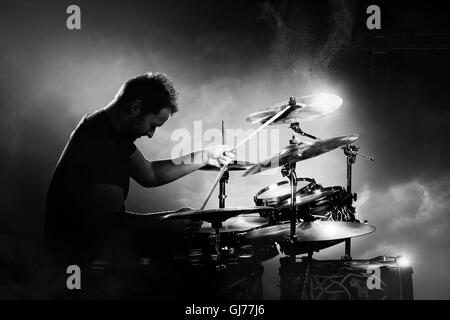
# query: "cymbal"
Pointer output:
{"type": "Point", "coordinates": [218, 214]}
{"type": "Point", "coordinates": [236, 224]}
{"type": "Point", "coordinates": [315, 231]}
{"type": "Point", "coordinates": [301, 151]}
{"type": "Point", "coordinates": [307, 108]}
{"type": "Point", "coordinates": [234, 165]}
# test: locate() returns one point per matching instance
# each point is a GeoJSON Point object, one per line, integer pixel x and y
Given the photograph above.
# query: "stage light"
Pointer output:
{"type": "Point", "coordinates": [327, 101]}
{"type": "Point", "coordinates": [403, 261]}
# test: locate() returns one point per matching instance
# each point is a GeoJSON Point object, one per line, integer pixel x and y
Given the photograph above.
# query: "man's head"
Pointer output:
{"type": "Point", "coordinates": [146, 101]}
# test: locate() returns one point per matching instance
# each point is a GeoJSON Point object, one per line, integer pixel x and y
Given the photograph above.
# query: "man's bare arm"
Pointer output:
{"type": "Point", "coordinates": [156, 173]}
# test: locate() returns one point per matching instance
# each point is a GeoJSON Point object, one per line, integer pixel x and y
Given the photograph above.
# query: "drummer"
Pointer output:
{"type": "Point", "coordinates": [91, 179]}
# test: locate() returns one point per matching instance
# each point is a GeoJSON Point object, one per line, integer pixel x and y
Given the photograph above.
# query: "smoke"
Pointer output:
{"type": "Point", "coordinates": [412, 220]}
{"type": "Point", "coordinates": [307, 38]}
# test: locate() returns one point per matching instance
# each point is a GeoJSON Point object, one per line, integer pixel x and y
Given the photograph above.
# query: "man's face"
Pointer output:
{"type": "Point", "coordinates": [146, 124]}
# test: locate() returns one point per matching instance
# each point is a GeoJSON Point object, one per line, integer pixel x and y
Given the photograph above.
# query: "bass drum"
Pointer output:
{"type": "Point", "coordinates": [326, 204]}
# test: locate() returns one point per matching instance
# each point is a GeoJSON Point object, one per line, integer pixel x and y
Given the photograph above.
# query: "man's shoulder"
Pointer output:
{"type": "Point", "coordinates": [94, 121]}
{"type": "Point", "coordinates": [89, 137]}
{"type": "Point", "coordinates": [93, 126]}
{"type": "Point", "coordinates": [97, 134]}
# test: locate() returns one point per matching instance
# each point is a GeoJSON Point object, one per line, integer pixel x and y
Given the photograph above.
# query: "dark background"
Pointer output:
{"type": "Point", "coordinates": [228, 59]}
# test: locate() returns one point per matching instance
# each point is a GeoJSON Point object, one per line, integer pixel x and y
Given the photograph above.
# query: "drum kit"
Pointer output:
{"type": "Point", "coordinates": [294, 216]}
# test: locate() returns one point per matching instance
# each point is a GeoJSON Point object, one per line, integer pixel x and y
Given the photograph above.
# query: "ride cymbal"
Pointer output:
{"type": "Point", "coordinates": [306, 108]}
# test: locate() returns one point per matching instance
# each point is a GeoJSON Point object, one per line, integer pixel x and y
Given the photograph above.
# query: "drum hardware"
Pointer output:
{"type": "Point", "coordinates": [224, 179]}
{"type": "Point", "coordinates": [288, 171]}
{"type": "Point", "coordinates": [222, 195]}
{"type": "Point", "coordinates": [295, 126]}
{"type": "Point", "coordinates": [216, 224]}
{"type": "Point", "coordinates": [351, 152]}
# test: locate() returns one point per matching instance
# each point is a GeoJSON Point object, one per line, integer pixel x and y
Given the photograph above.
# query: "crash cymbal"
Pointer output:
{"type": "Point", "coordinates": [219, 214]}
{"type": "Point", "coordinates": [315, 231]}
{"type": "Point", "coordinates": [236, 224]}
{"type": "Point", "coordinates": [234, 165]}
{"type": "Point", "coordinates": [301, 151]}
{"type": "Point", "coordinates": [306, 108]}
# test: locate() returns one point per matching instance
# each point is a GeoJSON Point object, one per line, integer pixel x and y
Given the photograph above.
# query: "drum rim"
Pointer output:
{"type": "Point", "coordinates": [311, 181]}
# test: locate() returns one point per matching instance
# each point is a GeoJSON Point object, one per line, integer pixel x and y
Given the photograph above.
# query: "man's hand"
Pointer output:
{"type": "Point", "coordinates": [217, 155]}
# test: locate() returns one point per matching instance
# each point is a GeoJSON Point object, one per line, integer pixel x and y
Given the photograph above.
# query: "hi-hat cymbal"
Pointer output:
{"type": "Point", "coordinates": [218, 214]}
{"type": "Point", "coordinates": [236, 224]}
{"type": "Point", "coordinates": [307, 108]}
{"type": "Point", "coordinates": [301, 151]}
{"type": "Point", "coordinates": [315, 231]}
{"type": "Point", "coordinates": [234, 165]}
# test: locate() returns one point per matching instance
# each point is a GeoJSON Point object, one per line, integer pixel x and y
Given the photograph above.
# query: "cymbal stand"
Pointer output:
{"type": "Point", "coordinates": [221, 252]}
{"type": "Point", "coordinates": [222, 196]}
{"type": "Point", "coordinates": [351, 152]}
{"type": "Point", "coordinates": [296, 127]}
{"type": "Point", "coordinates": [224, 179]}
{"type": "Point", "coordinates": [216, 225]}
{"type": "Point", "coordinates": [288, 171]}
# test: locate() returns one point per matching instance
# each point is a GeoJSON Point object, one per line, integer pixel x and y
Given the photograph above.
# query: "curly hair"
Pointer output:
{"type": "Point", "coordinates": [155, 90]}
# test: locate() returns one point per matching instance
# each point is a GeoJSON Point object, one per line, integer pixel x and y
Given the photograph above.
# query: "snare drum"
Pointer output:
{"type": "Point", "coordinates": [276, 194]}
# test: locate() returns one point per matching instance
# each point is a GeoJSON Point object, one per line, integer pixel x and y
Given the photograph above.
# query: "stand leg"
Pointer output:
{"type": "Point", "coordinates": [293, 181]}
{"type": "Point", "coordinates": [349, 175]}
{"type": "Point", "coordinates": [348, 245]}
{"type": "Point", "coordinates": [222, 195]}
{"type": "Point", "coordinates": [225, 176]}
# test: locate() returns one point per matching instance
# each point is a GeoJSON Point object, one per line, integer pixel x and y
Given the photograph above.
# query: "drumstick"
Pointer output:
{"type": "Point", "coordinates": [224, 167]}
